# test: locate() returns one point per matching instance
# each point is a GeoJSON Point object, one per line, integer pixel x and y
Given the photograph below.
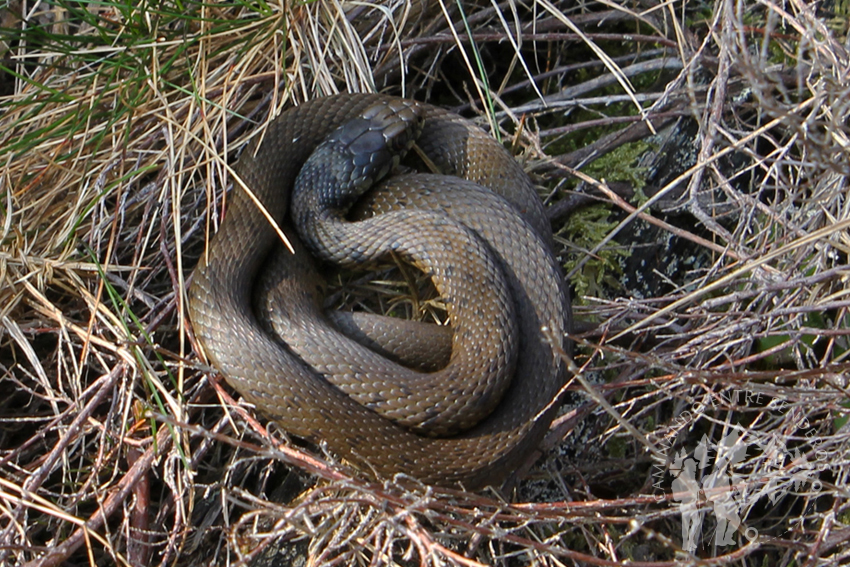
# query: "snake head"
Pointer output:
{"type": "Point", "coordinates": [358, 154]}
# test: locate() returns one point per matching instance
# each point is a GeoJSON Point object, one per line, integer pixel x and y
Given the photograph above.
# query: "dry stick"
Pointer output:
{"type": "Point", "coordinates": [564, 69]}
{"type": "Point", "coordinates": [585, 559]}
{"type": "Point", "coordinates": [422, 539]}
{"type": "Point", "coordinates": [33, 483]}
{"type": "Point", "coordinates": [553, 36]}
{"type": "Point", "coordinates": [113, 503]}
{"type": "Point", "coordinates": [457, 25]}
{"type": "Point", "coordinates": [83, 414]}
{"type": "Point", "coordinates": [568, 421]}
{"type": "Point", "coordinates": [46, 507]}
{"type": "Point", "coordinates": [618, 74]}
{"type": "Point", "coordinates": [756, 356]}
{"type": "Point", "coordinates": [652, 65]}
{"type": "Point", "coordinates": [603, 187]}
{"type": "Point", "coordinates": [578, 374]}
{"type": "Point", "coordinates": [810, 238]}
{"type": "Point", "coordinates": [609, 120]}
{"type": "Point", "coordinates": [398, 505]}
{"type": "Point", "coordinates": [839, 272]}
{"type": "Point", "coordinates": [138, 546]}
{"type": "Point", "coordinates": [711, 118]}
{"type": "Point", "coordinates": [603, 145]}
{"type": "Point", "coordinates": [82, 535]}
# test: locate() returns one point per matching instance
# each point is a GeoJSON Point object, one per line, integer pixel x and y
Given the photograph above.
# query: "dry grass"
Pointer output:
{"type": "Point", "coordinates": [119, 122]}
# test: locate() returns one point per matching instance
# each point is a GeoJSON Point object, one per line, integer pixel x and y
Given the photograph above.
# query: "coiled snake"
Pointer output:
{"type": "Point", "coordinates": [502, 287]}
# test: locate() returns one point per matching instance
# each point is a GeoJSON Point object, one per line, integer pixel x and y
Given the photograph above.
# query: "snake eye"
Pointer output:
{"type": "Point", "coordinates": [370, 142]}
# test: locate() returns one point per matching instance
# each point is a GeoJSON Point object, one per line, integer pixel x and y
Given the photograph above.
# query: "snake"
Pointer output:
{"type": "Point", "coordinates": [460, 197]}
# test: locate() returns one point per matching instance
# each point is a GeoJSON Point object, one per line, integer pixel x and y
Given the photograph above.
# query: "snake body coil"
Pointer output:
{"type": "Point", "coordinates": [324, 387]}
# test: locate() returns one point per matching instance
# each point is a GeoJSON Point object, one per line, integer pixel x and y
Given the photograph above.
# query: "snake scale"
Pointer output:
{"type": "Point", "coordinates": [318, 384]}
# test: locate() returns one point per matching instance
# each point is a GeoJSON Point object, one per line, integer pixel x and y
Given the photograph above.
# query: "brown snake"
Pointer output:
{"type": "Point", "coordinates": [311, 389]}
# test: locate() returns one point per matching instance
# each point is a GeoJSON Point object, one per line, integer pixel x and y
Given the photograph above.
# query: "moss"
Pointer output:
{"type": "Point", "coordinates": [622, 165]}
{"type": "Point", "coordinates": [616, 447]}
{"type": "Point", "coordinates": [587, 226]}
{"type": "Point", "coordinates": [584, 229]}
